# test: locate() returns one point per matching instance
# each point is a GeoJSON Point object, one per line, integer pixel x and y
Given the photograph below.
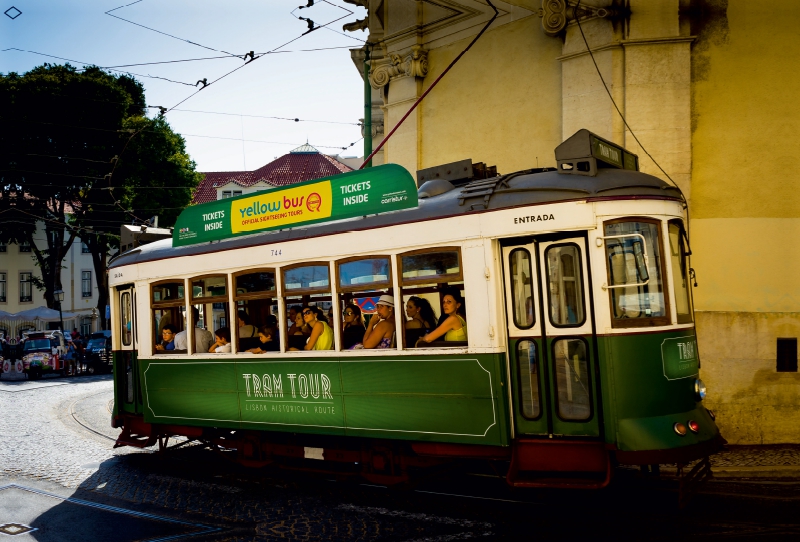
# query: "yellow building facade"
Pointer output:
{"type": "Point", "coordinates": [710, 90]}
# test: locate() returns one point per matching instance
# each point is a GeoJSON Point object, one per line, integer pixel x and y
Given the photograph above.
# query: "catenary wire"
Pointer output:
{"type": "Point", "coordinates": [159, 31]}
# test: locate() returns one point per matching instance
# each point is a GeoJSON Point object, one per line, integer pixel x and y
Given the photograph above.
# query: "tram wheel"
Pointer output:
{"type": "Point", "coordinates": [91, 369]}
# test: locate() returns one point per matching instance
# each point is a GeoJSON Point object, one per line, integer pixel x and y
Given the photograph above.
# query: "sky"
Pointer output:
{"type": "Point", "coordinates": [322, 88]}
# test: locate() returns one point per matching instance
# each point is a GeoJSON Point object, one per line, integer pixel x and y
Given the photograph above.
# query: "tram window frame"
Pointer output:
{"type": "Point", "coordinates": [436, 284]}
{"type": "Point", "coordinates": [411, 281]}
{"type": "Point", "coordinates": [178, 303]}
{"type": "Point", "coordinates": [224, 300]}
{"type": "Point", "coordinates": [589, 380]}
{"type": "Point", "coordinates": [367, 289]}
{"type": "Point", "coordinates": [538, 361]}
{"type": "Point", "coordinates": [531, 283]}
{"type": "Point", "coordinates": [652, 321]}
{"type": "Point", "coordinates": [307, 296]}
{"type": "Point", "coordinates": [126, 318]}
{"type": "Point", "coordinates": [238, 298]}
{"type": "Point", "coordinates": [579, 281]}
{"type": "Point", "coordinates": [686, 318]}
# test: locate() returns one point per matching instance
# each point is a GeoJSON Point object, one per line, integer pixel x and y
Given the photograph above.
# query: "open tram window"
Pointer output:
{"type": "Point", "coordinates": [168, 303]}
{"type": "Point", "coordinates": [432, 283]}
{"type": "Point", "coordinates": [361, 282]}
{"type": "Point", "coordinates": [307, 286]}
{"type": "Point", "coordinates": [210, 315]}
{"type": "Point", "coordinates": [644, 302]}
{"type": "Point", "coordinates": [680, 272]}
{"type": "Point", "coordinates": [565, 285]}
{"type": "Point", "coordinates": [256, 311]}
{"type": "Point", "coordinates": [528, 366]}
{"type": "Point", "coordinates": [574, 398]}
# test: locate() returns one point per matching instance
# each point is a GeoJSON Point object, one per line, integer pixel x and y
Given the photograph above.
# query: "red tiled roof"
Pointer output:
{"type": "Point", "coordinates": [288, 169]}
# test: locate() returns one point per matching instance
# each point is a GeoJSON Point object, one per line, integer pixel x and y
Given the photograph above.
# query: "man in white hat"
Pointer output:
{"type": "Point", "coordinates": [380, 332]}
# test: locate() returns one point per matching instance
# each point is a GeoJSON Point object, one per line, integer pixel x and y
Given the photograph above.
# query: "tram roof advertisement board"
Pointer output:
{"type": "Point", "coordinates": [369, 191]}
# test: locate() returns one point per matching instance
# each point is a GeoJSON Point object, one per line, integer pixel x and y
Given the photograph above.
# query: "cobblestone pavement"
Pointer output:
{"type": "Point", "coordinates": [55, 436]}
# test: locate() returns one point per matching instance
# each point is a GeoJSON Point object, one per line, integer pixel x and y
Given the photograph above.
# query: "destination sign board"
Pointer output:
{"type": "Point", "coordinates": [613, 154]}
{"type": "Point", "coordinates": [369, 191]}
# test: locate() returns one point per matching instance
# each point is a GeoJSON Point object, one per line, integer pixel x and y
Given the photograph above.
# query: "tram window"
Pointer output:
{"type": "Point", "coordinates": [127, 319]}
{"type": "Point", "coordinates": [307, 285]}
{"type": "Point", "coordinates": [522, 288]}
{"type": "Point", "coordinates": [168, 309]}
{"type": "Point", "coordinates": [528, 366]}
{"type": "Point", "coordinates": [565, 285]}
{"type": "Point", "coordinates": [361, 281]}
{"type": "Point", "coordinates": [256, 307]}
{"type": "Point", "coordinates": [436, 263]}
{"type": "Point", "coordinates": [210, 311]}
{"type": "Point", "coordinates": [167, 292]}
{"type": "Point", "coordinates": [426, 276]}
{"type": "Point", "coordinates": [645, 304]}
{"type": "Point", "coordinates": [680, 272]}
{"type": "Point", "coordinates": [574, 399]}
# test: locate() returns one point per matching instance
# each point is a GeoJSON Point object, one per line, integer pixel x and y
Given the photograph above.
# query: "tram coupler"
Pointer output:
{"type": "Point", "coordinates": [690, 482]}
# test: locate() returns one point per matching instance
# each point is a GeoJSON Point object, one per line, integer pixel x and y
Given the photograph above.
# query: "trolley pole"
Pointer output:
{"type": "Point", "coordinates": [367, 108]}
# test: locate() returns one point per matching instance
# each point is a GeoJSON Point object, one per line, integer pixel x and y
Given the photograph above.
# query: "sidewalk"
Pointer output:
{"type": "Point", "coordinates": [754, 461]}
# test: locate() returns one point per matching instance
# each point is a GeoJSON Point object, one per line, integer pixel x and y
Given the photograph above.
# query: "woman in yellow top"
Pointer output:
{"type": "Point", "coordinates": [321, 333]}
{"type": "Point", "coordinates": [454, 327]}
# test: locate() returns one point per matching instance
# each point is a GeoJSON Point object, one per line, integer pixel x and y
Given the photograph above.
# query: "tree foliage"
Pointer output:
{"type": "Point", "coordinates": [79, 158]}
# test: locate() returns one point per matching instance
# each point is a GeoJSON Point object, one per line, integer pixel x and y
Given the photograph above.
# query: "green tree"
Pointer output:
{"type": "Point", "coordinates": [79, 156]}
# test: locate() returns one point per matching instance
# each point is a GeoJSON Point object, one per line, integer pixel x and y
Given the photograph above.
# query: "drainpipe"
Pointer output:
{"type": "Point", "coordinates": [367, 110]}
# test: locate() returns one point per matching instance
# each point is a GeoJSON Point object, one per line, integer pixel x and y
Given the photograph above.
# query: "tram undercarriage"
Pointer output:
{"type": "Point", "coordinates": [527, 463]}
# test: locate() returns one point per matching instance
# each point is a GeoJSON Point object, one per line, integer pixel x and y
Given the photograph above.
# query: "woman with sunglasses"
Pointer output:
{"type": "Point", "coordinates": [353, 327]}
{"type": "Point", "coordinates": [321, 337]}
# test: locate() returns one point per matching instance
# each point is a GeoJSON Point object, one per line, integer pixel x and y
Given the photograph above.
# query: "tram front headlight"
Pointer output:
{"type": "Point", "coordinates": [699, 389]}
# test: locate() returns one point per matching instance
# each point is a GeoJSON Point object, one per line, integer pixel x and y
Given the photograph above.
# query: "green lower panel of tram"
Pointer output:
{"type": "Point", "coordinates": [446, 399]}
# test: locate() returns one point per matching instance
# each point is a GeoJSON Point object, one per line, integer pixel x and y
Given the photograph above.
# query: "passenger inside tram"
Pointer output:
{"type": "Point", "coordinates": [298, 333]}
{"type": "Point", "coordinates": [167, 338]}
{"type": "Point", "coordinates": [268, 337]}
{"type": "Point", "coordinates": [454, 324]}
{"type": "Point", "coordinates": [222, 344]}
{"type": "Point", "coordinates": [380, 331]}
{"type": "Point", "coordinates": [353, 327]}
{"type": "Point", "coordinates": [321, 337]}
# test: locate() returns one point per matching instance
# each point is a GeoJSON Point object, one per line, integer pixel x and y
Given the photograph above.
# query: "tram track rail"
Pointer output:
{"type": "Point", "coordinates": [74, 415]}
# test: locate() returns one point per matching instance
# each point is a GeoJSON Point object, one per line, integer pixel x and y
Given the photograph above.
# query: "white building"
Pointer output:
{"type": "Point", "coordinates": [18, 293]}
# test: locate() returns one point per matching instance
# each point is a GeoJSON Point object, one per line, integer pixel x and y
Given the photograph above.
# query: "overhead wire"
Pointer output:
{"type": "Point", "coordinates": [160, 32]}
{"type": "Point", "coordinates": [295, 119]}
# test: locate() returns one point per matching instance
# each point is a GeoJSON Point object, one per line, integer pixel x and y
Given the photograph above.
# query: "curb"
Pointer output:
{"type": "Point", "coordinates": [764, 471]}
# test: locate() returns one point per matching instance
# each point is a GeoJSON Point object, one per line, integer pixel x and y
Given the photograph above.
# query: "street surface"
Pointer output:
{"type": "Point", "coordinates": [60, 476]}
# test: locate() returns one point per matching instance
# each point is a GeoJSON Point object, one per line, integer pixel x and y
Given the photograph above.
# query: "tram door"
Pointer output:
{"type": "Point", "coordinates": [126, 368]}
{"type": "Point", "coordinates": [551, 343]}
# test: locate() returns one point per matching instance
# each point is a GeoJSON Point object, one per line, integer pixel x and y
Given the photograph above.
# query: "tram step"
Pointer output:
{"type": "Point", "coordinates": [126, 438]}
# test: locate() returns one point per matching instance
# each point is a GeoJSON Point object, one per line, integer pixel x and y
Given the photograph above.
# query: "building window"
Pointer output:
{"type": "Point", "coordinates": [25, 284]}
{"type": "Point", "coordinates": [25, 246]}
{"type": "Point", "coordinates": [86, 284]}
{"type": "Point", "coordinates": [2, 247]}
{"type": "Point", "coordinates": [2, 287]}
{"type": "Point", "coordinates": [787, 355]}
{"type": "Point", "coordinates": [85, 249]}
{"type": "Point", "coordinates": [86, 326]}
{"type": "Point", "coordinates": [226, 194]}
{"type": "Point", "coordinates": [231, 193]}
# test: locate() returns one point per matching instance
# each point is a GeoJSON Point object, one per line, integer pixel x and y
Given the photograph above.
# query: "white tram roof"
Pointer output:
{"type": "Point", "coordinates": [520, 189]}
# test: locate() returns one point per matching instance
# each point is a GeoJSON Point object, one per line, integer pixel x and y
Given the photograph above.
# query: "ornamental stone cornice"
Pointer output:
{"type": "Point", "coordinates": [413, 63]}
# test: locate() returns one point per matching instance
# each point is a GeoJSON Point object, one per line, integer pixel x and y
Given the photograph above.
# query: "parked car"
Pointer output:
{"type": "Point", "coordinates": [97, 356]}
{"type": "Point", "coordinates": [41, 354]}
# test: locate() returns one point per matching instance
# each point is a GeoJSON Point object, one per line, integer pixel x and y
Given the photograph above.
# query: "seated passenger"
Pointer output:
{"type": "Point", "coordinates": [421, 314]}
{"type": "Point", "coordinates": [246, 330]}
{"type": "Point", "coordinates": [292, 315]}
{"type": "Point", "coordinates": [223, 342]}
{"type": "Point", "coordinates": [321, 337]}
{"type": "Point", "coordinates": [454, 326]}
{"type": "Point", "coordinates": [353, 327]}
{"type": "Point", "coordinates": [381, 328]}
{"type": "Point", "coordinates": [202, 337]}
{"type": "Point", "coordinates": [268, 336]}
{"type": "Point", "coordinates": [167, 339]}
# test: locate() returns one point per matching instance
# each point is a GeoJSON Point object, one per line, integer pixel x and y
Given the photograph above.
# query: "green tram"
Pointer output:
{"type": "Point", "coordinates": [581, 352]}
